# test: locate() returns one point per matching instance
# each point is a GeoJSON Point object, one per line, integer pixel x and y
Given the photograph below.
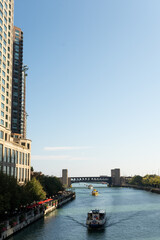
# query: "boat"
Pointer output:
{"type": "Point", "coordinates": [96, 219]}
{"type": "Point", "coordinates": [95, 192]}
{"type": "Point", "coordinates": [90, 187]}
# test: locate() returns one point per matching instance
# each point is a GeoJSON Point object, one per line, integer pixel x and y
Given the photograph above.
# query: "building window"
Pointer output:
{"type": "Point", "coordinates": [2, 122]}
{"type": "Point", "coordinates": [5, 35]}
{"type": "Point", "coordinates": [8, 170]}
{"type": "Point", "coordinates": [5, 20]}
{"type": "Point", "coordinates": [12, 171]}
{"type": "Point", "coordinates": [1, 134]}
{"type": "Point", "coordinates": [23, 158]}
{"type": "Point", "coordinates": [3, 89]}
{"type": "Point", "coordinates": [4, 58]}
{"type": "Point", "coordinates": [12, 159]}
{"type": "Point", "coordinates": [3, 98]}
{"type": "Point", "coordinates": [2, 105]}
{"type": "Point", "coordinates": [1, 152]}
{"type": "Point", "coordinates": [16, 156]}
{"type": "Point", "coordinates": [4, 169]}
{"type": "Point", "coordinates": [3, 81]}
{"type": "Point", "coordinates": [5, 154]}
{"type": "Point", "coordinates": [19, 174]}
{"type": "Point", "coordinates": [22, 174]}
{"type": "Point", "coordinates": [6, 137]}
{"type": "Point", "coordinates": [26, 159]}
{"type": "Point", "coordinates": [15, 173]}
{"type": "Point", "coordinates": [26, 177]}
{"type": "Point", "coordinates": [19, 157]}
{"type": "Point", "coordinates": [9, 155]}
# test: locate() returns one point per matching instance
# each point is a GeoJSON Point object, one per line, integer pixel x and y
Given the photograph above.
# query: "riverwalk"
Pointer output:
{"type": "Point", "coordinates": [33, 212]}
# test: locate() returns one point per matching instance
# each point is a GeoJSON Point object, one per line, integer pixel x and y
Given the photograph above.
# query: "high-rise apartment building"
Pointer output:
{"type": "Point", "coordinates": [14, 147]}
{"type": "Point", "coordinates": [18, 123]}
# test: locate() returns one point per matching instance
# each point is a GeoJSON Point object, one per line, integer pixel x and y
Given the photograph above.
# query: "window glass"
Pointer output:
{"type": "Point", "coordinates": [16, 156]}
{"type": "Point", "coordinates": [12, 171]}
{"type": "Point", "coordinates": [12, 159]}
{"type": "Point", "coordinates": [2, 122]}
{"type": "Point", "coordinates": [19, 157]}
{"type": "Point", "coordinates": [23, 158]}
{"type": "Point", "coordinates": [5, 154]}
{"type": "Point", "coordinates": [9, 155]}
{"type": "Point", "coordinates": [2, 105]}
{"type": "Point", "coordinates": [1, 152]}
{"type": "Point", "coordinates": [1, 134]}
{"type": "Point", "coordinates": [19, 174]}
{"type": "Point", "coordinates": [3, 98]}
{"type": "Point", "coordinates": [8, 170]}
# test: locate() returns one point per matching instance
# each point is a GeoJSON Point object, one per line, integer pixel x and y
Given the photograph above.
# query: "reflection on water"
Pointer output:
{"type": "Point", "coordinates": [131, 215]}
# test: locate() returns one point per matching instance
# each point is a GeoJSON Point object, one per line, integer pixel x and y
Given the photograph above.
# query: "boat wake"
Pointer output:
{"type": "Point", "coordinates": [109, 222]}
{"type": "Point", "coordinates": [74, 220]}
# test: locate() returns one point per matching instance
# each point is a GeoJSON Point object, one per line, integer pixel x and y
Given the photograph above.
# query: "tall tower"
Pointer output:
{"type": "Point", "coordinates": [15, 149]}
{"type": "Point", "coordinates": [18, 118]}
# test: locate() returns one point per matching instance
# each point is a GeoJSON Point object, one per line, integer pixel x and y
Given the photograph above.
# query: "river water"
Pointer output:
{"type": "Point", "coordinates": [131, 215]}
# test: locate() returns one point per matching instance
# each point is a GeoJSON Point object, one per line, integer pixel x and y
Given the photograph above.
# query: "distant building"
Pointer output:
{"type": "Point", "coordinates": [115, 175]}
{"type": "Point", "coordinates": [15, 149]}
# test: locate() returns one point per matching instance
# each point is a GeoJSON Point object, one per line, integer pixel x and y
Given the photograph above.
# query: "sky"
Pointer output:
{"type": "Point", "coordinates": [93, 85]}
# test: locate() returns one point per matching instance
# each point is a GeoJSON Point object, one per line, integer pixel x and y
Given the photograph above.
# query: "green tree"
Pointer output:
{"type": "Point", "coordinates": [10, 193]}
{"type": "Point", "coordinates": [136, 180]}
{"type": "Point", "coordinates": [51, 185]}
{"type": "Point", "coordinates": [34, 190]}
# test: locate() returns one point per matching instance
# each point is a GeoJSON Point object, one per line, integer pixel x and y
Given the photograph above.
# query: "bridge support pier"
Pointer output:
{"type": "Point", "coordinates": [116, 179]}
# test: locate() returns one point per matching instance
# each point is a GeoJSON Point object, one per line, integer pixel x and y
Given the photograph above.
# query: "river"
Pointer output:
{"type": "Point", "coordinates": [131, 215]}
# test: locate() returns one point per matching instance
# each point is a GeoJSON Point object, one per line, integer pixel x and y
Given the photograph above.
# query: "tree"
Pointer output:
{"type": "Point", "coordinates": [34, 190]}
{"type": "Point", "coordinates": [136, 180]}
{"type": "Point", "coordinates": [10, 193]}
{"type": "Point", "coordinates": [51, 185]}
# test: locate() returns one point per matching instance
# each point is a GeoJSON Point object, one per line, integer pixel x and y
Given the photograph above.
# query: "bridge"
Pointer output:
{"type": "Point", "coordinates": [114, 180]}
{"type": "Point", "coordinates": [100, 179]}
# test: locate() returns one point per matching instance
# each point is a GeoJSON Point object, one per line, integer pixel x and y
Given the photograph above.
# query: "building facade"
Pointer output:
{"type": "Point", "coordinates": [15, 149]}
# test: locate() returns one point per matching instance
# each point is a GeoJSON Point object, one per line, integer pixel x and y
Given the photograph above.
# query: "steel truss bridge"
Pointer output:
{"type": "Point", "coordinates": [92, 179]}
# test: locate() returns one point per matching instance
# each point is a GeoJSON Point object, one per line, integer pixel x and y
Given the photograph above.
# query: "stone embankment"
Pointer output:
{"type": "Point", "coordinates": [32, 213]}
{"type": "Point", "coordinates": [149, 189]}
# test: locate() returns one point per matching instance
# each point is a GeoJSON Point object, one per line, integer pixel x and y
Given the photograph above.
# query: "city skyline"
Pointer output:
{"type": "Point", "coordinates": [93, 85]}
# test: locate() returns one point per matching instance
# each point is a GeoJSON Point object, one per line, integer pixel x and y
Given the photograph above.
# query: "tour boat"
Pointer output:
{"type": "Point", "coordinates": [95, 192]}
{"type": "Point", "coordinates": [90, 187]}
{"type": "Point", "coordinates": [96, 219]}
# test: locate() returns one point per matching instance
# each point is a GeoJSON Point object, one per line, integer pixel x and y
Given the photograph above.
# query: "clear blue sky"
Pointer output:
{"type": "Point", "coordinates": [93, 87]}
